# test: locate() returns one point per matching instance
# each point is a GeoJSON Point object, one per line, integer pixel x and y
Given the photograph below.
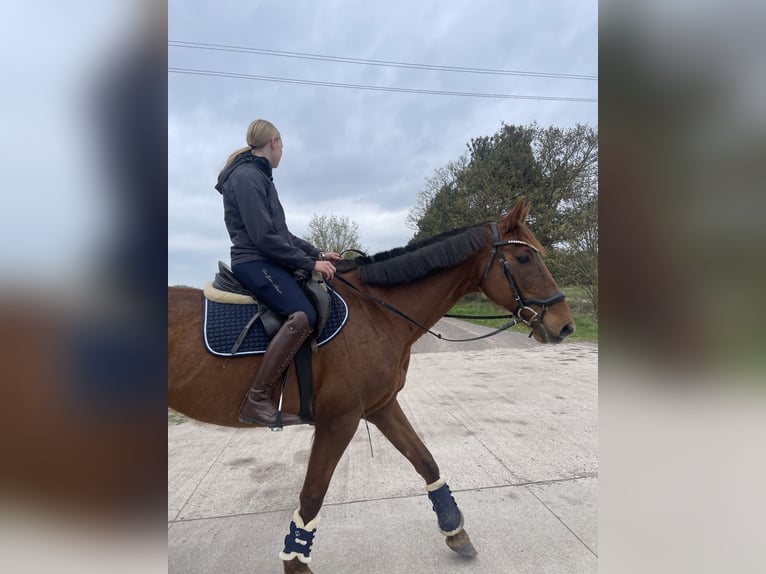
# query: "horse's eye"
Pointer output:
{"type": "Point", "coordinates": [523, 259]}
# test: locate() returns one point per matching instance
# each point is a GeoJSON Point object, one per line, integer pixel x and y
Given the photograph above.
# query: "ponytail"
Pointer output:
{"type": "Point", "coordinates": [259, 133]}
{"type": "Point", "coordinates": [234, 155]}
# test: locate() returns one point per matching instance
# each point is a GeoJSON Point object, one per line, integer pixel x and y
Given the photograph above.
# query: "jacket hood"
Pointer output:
{"type": "Point", "coordinates": [245, 157]}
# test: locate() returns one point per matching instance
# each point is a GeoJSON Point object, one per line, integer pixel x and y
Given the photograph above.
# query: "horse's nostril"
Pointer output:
{"type": "Point", "coordinates": [567, 330]}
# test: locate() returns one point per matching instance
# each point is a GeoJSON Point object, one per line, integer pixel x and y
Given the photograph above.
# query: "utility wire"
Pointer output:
{"type": "Point", "coordinates": [386, 63]}
{"type": "Point", "coordinates": [214, 73]}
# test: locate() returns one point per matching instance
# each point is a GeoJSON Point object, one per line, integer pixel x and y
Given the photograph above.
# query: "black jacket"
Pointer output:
{"type": "Point", "coordinates": [255, 219]}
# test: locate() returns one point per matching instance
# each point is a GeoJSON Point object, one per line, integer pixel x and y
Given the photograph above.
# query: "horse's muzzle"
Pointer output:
{"type": "Point", "coordinates": [543, 335]}
{"type": "Point", "coordinates": [566, 330]}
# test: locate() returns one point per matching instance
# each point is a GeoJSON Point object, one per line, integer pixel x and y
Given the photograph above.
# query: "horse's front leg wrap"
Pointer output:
{"type": "Point", "coordinates": [298, 542]}
{"type": "Point", "coordinates": [449, 515]}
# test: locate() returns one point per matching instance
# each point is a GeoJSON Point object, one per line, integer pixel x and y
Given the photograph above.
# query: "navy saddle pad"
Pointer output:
{"type": "Point", "coordinates": [224, 323]}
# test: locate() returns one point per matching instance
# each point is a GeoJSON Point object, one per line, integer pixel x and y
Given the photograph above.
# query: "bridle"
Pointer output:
{"type": "Point", "coordinates": [522, 304]}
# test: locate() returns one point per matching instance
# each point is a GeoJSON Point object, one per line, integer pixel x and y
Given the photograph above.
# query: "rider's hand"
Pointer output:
{"type": "Point", "coordinates": [326, 268]}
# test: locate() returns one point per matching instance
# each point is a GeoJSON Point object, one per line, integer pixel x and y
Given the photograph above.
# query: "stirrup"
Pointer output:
{"type": "Point", "coordinates": [277, 426]}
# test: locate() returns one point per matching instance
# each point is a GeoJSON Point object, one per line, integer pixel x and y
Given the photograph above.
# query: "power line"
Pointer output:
{"type": "Point", "coordinates": [374, 88]}
{"type": "Point", "coordinates": [385, 63]}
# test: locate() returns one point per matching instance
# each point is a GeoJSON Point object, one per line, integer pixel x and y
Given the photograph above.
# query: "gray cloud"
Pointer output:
{"type": "Point", "coordinates": [349, 152]}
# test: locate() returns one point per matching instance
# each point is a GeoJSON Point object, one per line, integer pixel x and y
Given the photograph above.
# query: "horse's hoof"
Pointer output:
{"type": "Point", "coordinates": [461, 544]}
{"type": "Point", "coordinates": [295, 566]}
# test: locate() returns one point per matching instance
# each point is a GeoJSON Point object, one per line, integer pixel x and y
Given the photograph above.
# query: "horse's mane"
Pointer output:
{"type": "Point", "coordinates": [419, 259]}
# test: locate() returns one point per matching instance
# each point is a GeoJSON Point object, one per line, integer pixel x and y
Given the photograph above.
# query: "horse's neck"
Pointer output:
{"type": "Point", "coordinates": [429, 299]}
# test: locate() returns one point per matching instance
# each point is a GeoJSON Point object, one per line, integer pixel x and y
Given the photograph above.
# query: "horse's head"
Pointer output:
{"type": "Point", "coordinates": [516, 278]}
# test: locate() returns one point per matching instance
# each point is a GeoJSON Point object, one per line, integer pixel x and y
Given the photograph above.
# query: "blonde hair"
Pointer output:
{"type": "Point", "coordinates": [259, 133]}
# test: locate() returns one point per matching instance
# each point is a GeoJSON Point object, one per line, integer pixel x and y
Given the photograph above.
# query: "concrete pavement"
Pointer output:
{"type": "Point", "coordinates": [512, 424]}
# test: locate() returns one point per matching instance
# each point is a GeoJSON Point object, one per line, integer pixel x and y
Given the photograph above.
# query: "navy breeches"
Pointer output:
{"type": "Point", "coordinates": [275, 286]}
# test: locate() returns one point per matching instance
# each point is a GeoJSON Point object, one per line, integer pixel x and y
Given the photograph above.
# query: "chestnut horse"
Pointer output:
{"type": "Point", "coordinates": [359, 374]}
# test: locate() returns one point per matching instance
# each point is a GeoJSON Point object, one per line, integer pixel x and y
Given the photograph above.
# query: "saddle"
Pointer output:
{"type": "Point", "coordinates": [231, 310]}
{"type": "Point", "coordinates": [226, 288]}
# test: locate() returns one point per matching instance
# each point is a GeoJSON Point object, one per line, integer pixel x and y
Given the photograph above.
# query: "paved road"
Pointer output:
{"type": "Point", "coordinates": [512, 423]}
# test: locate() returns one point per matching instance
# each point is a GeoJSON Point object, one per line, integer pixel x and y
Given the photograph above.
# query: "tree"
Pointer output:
{"type": "Point", "coordinates": [443, 182]}
{"type": "Point", "coordinates": [553, 168]}
{"type": "Point", "coordinates": [556, 169]}
{"type": "Point", "coordinates": [568, 161]}
{"type": "Point", "coordinates": [569, 164]}
{"type": "Point", "coordinates": [333, 233]}
{"type": "Point", "coordinates": [483, 184]}
{"type": "Point", "coordinates": [576, 263]}
{"type": "Point", "coordinates": [502, 169]}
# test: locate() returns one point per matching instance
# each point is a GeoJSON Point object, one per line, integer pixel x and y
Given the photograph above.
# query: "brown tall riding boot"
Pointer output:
{"type": "Point", "coordinates": [257, 406]}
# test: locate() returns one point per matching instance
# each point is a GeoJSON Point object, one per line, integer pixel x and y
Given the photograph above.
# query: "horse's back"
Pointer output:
{"type": "Point", "coordinates": [182, 303]}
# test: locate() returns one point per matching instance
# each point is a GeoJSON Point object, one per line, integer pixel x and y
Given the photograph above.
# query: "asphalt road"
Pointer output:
{"type": "Point", "coordinates": [513, 425]}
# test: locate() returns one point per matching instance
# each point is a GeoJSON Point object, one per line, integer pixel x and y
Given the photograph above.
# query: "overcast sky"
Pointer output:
{"type": "Point", "coordinates": [357, 153]}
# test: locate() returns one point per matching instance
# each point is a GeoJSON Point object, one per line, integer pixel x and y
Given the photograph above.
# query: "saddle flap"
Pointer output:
{"type": "Point", "coordinates": [271, 320]}
{"type": "Point", "coordinates": [316, 290]}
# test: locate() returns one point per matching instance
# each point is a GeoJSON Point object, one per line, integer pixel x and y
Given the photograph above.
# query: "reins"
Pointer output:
{"type": "Point", "coordinates": [404, 315]}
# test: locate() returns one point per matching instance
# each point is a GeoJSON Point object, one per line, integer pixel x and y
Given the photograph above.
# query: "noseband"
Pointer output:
{"type": "Point", "coordinates": [522, 303]}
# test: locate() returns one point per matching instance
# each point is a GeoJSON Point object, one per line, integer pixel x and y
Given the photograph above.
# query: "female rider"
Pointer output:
{"type": "Point", "coordinates": [263, 255]}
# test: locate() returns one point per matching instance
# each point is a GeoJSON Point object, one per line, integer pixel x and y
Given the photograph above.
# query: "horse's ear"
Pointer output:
{"type": "Point", "coordinates": [516, 217]}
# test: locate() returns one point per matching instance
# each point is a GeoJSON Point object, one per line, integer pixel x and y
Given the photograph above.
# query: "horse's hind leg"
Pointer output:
{"type": "Point", "coordinates": [330, 441]}
{"type": "Point", "coordinates": [395, 426]}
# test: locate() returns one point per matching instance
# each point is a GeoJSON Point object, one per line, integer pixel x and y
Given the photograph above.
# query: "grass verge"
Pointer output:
{"type": "Point", "coordinates": [176, 418]}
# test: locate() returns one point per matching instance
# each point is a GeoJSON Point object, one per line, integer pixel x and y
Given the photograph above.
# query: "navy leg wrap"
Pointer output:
{"type": "Point", "coordinates": [447, 512]}
{"type": "Point", "coordinates": [299, 541]}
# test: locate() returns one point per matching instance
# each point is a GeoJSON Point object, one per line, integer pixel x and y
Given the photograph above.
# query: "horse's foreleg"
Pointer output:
{"type": "Point", "coordinates": [330, 441]}
{"type": "Point", "coordinates": [395, 426]}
